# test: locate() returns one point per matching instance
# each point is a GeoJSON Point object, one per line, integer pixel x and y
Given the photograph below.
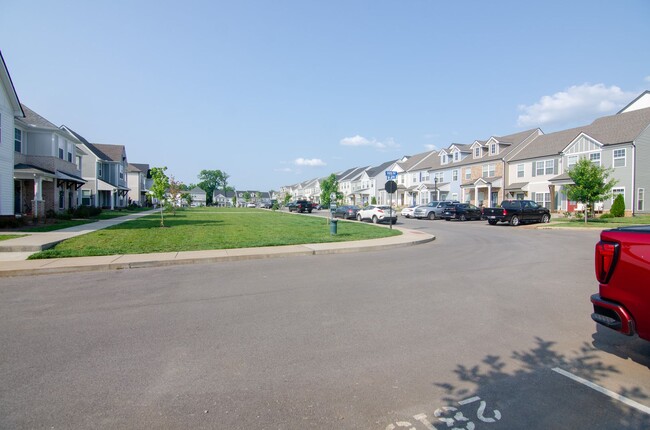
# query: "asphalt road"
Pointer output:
{"type": "Point", "coordinates": [483, 328]}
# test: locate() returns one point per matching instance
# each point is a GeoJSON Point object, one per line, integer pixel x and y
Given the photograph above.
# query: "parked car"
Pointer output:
{"type": "Point", "coordinates": [516, 212]}
{"type": "Point", "coordinates": [622, 266]}
{"type": "Point", "coordinates": [251, 205]}
{"type": "Point", "coordinates": [378, 213]}
{"type": "Point", "coordinates": [461, 212]}
{"type": "Point", "coordinates": [346, 212]}
{"type": "Point", "coordinates": [408, 212]}
{"type": "Point", "coordinates": [300, 206]}
{"type": "Point", "coordinates": [432, 210]}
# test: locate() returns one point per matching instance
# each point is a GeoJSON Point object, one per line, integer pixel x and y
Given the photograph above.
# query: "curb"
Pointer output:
{"type": "Point", "coordinates": [135, 261]}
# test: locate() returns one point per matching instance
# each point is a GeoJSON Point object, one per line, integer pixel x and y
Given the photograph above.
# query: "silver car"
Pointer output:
{"type": "Point", "coordinates": [432, 210]}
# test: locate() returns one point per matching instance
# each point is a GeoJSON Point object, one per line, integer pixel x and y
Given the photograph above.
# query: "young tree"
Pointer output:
{"type": "Point", "coordinates": [329, 186]}
{"type": "Point", "coordinates": [159, 187]}
{"type": "Point", "coordinates": [591, 184]}
{"type": "Point", "coordinates": [618, 207]}
{"type": "Point", "coordinates": [175, 191]}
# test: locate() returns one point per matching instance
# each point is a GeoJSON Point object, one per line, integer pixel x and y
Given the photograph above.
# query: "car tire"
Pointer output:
{"type": "Point", "coordinates": [462, 217]}
{"type": "Point", "coordinates": [447, 219]}
{"type": "Point", "coordinates": [375, 220]}
{"type": "Point", "coordinates": [514, 221]}
{"type": "Point", "coordinates": [359, 218]}
{"type": "Point", "coordinates": [546, 219]}
{"type": "Point", "coordinates": [492, 222]}
{"type": "Point", "coordinates": [432, 215]}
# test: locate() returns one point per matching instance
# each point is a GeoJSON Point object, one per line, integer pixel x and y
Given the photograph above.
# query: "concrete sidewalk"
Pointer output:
{"type": "Point", "coordinates": [13, 252]}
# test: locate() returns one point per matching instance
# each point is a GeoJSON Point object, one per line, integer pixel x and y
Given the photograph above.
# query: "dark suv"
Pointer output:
{"type": "Point", "coordinates": [461, 212]}
{"type": "Point", "coordinates": [300, 206]}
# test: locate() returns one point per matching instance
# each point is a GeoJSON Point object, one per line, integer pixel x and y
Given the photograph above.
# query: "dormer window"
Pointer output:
{"type": "Point", "coordinates": [493, 149]}
{"type": "Point", "coordinates": [477, 152]}
{"type": "Point", "coordinates": [445, 159]}
{"type": "Point", "coordinates": [457, 156]}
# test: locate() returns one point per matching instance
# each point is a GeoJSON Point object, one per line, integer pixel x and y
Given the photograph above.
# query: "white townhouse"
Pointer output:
{"type": "Point", "coordinates": [345, 180]}
{"type": "Point", "coordinates": [223, 199]}
{"type": "Point", "coordinates": [104, 169]}
{"type": "Point", "coordinates": [10, 109]}
{"type": "Point", "coordinates": [414, 180]}
{"type": "Point", "coordinates": [620, 142]}
{"type": "Point", "coordinates": [197, 196]}
{"type": "Point", "coordinates": [47, 168]}
{"type": "Point", "coordinates": [139, 181]}
{"type": "Point", "coordinates": [371, 182]}
{"type": "Point", "coordinates": [311, 190]}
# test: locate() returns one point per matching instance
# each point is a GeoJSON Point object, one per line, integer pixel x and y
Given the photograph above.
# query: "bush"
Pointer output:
{"type": "Point", "coordinates": [11, 222]}
{"type": "Point", "coordinates": [606, 216]}
{"type": "Point", "coordinates": [618, 207]}
{"type": "Point", "coordinates": [86, 211]}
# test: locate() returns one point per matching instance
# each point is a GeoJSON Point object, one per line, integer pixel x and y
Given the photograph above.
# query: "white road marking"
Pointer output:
{"type": "Point", "coordinates": [603, 390]}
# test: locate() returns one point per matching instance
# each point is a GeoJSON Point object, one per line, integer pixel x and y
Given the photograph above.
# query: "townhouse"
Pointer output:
{"type": "Point", "coordinates": [104, 169]}
{"type": "Point", "coordinates": [197, 197]}
{"type": "Point", "coordinates": [224, 199]}
{"type": "Point", "coordinates": [139, 181]}
{"type": "Point", "coordinates": [10, 110]}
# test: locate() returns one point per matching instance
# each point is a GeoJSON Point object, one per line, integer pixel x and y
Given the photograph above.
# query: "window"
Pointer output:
{"type": "Point", "coordinates": [539, 169]}
{"type": "Point", "coordinates": [619, 158]}
{"type": "Point", "coordinates": [616, 192]}
{"type": "Point", "coordinates": [520, 170]}
{"type": "Point", "coordinates": [456, 155]}
{"type": "Point", "coordinates": [550, 167]}
{"type": "Point", "coordinates": [61, 154]}
{"type": "Point", "coordinates": [488, 170]}
{"type": "Point", "coordinates": [640, 197]}
{"type": "Point", "coordinates": [594, 157]}
{"type": "Point", "coordinates": [99, 170]}
{"type": "Point", "coordinates": [454, 175]}
{"type": "Point", "coordinates": [444, 159]}
{"type": "Point", "coordinates": [543, 199]}
{"type": "Point", "coordinates": [18, 140]}
{"type": "Point", "coordinates": [69, 156]}
{"type": "Point", "coordinates": [571, 161]}
{"type": "Point", "coordinates": [414, 179]}
{"type": "Point", "coordinates": [85, 197]}
{"type": "Point", "coordinates": [494, 149]}
{"type": "Point", "coordinates": [468, 173]}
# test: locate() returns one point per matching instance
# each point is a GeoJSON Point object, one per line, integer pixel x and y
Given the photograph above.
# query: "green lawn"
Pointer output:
{"type": "Point", "coordinates": [211, 228]}
{"type": "Point", "coordinates": [604, 223]}
{"type": "Point", "coordinates": [11, 236]}
{"type": "Point", "coordinates": [58, 224]}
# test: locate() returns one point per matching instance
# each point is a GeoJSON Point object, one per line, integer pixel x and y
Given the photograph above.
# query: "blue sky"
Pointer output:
{"type": "Point", "coordinates": [277, 92]}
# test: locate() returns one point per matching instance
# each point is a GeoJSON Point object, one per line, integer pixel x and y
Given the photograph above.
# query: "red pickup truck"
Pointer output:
{"type": "Point", "coordinates": [623, 272]}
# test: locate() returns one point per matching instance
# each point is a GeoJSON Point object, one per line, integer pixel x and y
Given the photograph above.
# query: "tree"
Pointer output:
{"type": "Point", "coordinates": [329, 186]}
{"type": "Point", "coordinates": [159, 188]}
{"type": "Point", "coordinates": [247, 196]}
{"type": "Point", "coordinates": [591, 184]}
{"type": "Point", "coordinates": [618, 207]}
{"type": "Point", "coordinates": [175, 195]}
{"type": "Point", "coordinates": [212, 180]}
{"type": "Point", "coordinates": [287, 199]}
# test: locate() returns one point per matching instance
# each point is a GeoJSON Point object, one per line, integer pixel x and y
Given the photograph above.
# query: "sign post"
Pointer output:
{"type": "Point", "coordinates": [391, 187]}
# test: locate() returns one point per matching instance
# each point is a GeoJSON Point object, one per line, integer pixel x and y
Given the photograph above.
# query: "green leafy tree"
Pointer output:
{"type": "Point", "coordinates": [591, 184]}
{"type": "Point", "coordinates": [247, 196]}
{"type": "Point", "coordinates": [159, 188]}
{"type": "Point", "coordinates": [212, 180]}
{"type": "Point", "coordinates": [618, 207]}
{"type": "Point", "coordinates": [373, 200]}
{"type": "Point", "coordinates": [287, 199]}
{"type": "Point", "coordinates": [329, 186]}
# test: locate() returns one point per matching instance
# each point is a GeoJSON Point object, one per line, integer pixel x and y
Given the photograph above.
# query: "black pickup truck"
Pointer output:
{"type": "Point", "coordinates": [516, 212]}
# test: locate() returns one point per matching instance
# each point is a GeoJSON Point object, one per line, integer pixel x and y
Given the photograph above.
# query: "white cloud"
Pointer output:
{"type": "Point", "coordinates": [357, 140]}
{"type": "Point", "coordinates": [578, 103]}
{"type": "Point", "coordinates": [310, 162]}
{"type": "Point", "coordinates": [431, 147]}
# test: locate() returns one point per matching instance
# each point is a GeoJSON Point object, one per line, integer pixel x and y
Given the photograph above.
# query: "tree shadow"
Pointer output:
{"type": "Point", "coordinates": [538, 393]}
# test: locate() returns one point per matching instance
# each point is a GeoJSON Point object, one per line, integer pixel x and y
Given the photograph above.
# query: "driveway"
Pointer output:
{"type": "Point", "coordinates": [484, 328]}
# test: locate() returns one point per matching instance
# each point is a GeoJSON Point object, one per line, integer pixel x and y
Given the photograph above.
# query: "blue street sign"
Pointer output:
{"type": "Point", "coordinates": [391, 174]}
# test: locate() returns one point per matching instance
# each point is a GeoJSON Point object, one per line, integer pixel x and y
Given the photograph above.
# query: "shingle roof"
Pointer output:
{"type": "Point", "coordinates": [377, 170]}
{"type": "Point", "coordinates": [113, 152]}
{"type": "Point", "coordinates": [420, 161]}
{"type": "Point", "coordinates": [608, 130]}
{"type": "Point", "coordinates": [33, 119]}
{"type": "Point", "coordinates": [137, 167]}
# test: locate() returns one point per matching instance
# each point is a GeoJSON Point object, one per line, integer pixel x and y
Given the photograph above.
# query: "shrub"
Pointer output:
{"type": "Point", "coordinates": [605, 216]}
{"type": "Point", "coordinates": [86, 211]}
{"type": "Point", "coordinates": [618, 207]}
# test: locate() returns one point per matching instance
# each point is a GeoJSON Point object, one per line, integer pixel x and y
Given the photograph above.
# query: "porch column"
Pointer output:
{"type": "Point", "coordinates": [551, 189]}
{"type": "Point", "coordinates": [113, 198]}
{"type": "Point", "coordinates": [38, 206]}
{"type": "Point", "coordinates": [476, 203]}
{"type": "Point", "coordinates": [489, 195]}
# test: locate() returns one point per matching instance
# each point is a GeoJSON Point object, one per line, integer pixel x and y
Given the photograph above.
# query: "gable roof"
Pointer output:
{"type": "Point", "coordinates": [609, 130]}
{"type": "Point", "coordinates": [642, 101]}
{"type": "Point", "coordinates": [137, 167]}
{"type": "Point", "coordinates": [34, 120]}
{"type": "Point", "coordinates": [113, 152]}
{"type": "Point", "coordinates": [377, 170]}
{"type": "Point", "coordinates": [10, 90]}
{"type": "Point", "coordinates": [96, 151]}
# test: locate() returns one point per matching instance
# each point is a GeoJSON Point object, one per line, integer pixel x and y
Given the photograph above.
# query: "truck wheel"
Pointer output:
{"type": "Point", "coordinates": [545, 219]}
{"type": "Point", "coordinates": [463, 217]}
{"type": "Point", "coordinates": [492, 222]}
{"type": "Point", "coordinates": [432, 215]}
{"type": "Point", "coordinates": [514, 220]}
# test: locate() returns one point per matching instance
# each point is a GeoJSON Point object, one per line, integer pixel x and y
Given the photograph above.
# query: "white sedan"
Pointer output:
{"type": "Point", "coordinates": [409, 211]}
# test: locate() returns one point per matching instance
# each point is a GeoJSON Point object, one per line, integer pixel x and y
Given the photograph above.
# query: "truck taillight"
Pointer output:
{"type": "Point", "coordinates": [606, 257]}
{"type": "Point", "coordinates": [505, 212]}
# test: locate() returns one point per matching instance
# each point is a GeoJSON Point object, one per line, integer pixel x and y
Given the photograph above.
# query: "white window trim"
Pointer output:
{"type": "Point", "coordinates": [477, 149]}
{"type": "Point", "coordinates": [521, 170]}
{"type": "Point", "coordinates": [640, 198]}
{"type": "Point", "coordinates": [615, 193]}
{"type": "Point", "coordinates": [624, 158]}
